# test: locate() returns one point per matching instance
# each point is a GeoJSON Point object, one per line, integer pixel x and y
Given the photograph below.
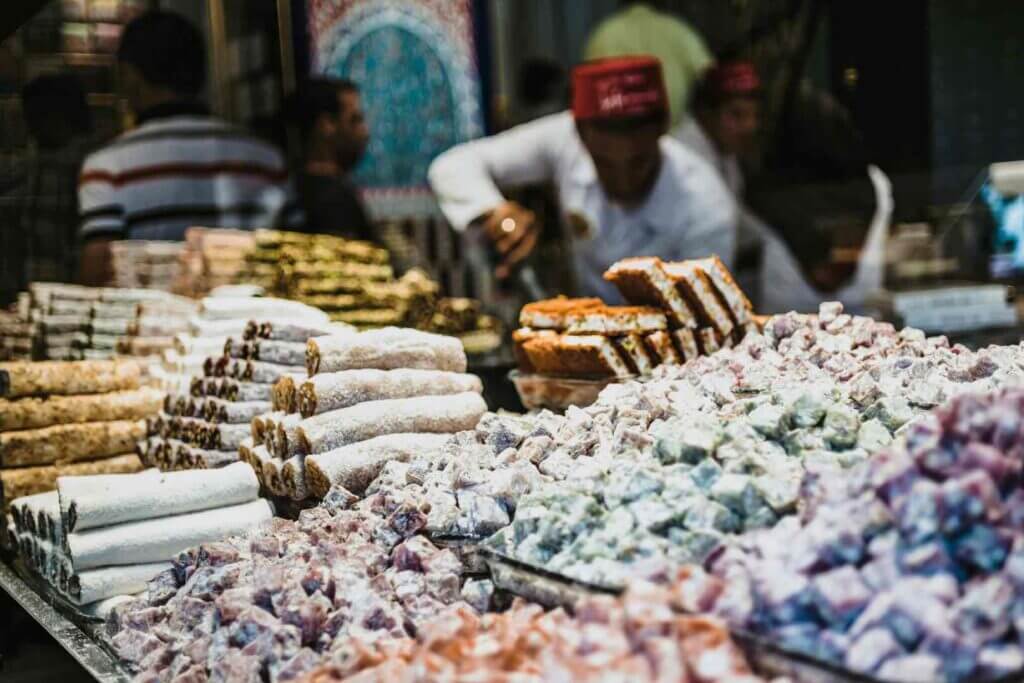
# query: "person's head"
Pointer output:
{"type": "Point", "coordinates": [621, 112]}
{"type": "Point", "coordinates": [727, 104]}
{"type": "Point", "coordinates": [161, 58]}
{"type": "Point", "coordinates": [55, 110]}
{"type": "Point", "coordinates": [329, 115]}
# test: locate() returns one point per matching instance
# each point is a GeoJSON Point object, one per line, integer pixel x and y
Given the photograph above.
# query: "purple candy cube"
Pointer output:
{"type": "Point", "coordinates": [1002, 469]}
{"type": "Point", "coordinates": [892, 475]}
{"type": "Point", "coordinates": [957, 653]}
{"type": "Point", "coordinates": [983, 613]}
{"type": "Point", "coordinates": [967, 498]}
{"type": "Point", "coordinates": [999, 660]}
{"type": "Point", "coordinates": [919, 513]}
{"type": "Point", "coordinates": [944, 587]}
{"type": "Point", "coordinates": [784, 595]}
{"type": "Point", "coordinates": [1013, 567]}
{"type": "Point", "coordinates": [840, 595]}
{"type": "Point", "coordinates": [802, 637]}
{"type": "Point", "coordinates": [927, 559]}
{"type": "Point", "coordinates": [982, 547]}
{"type": "Point", "coordinates": [1013, 510]}
{"type": "Point", "coordinates": [905, 615]}
{"type": "Point", "coordinates": [871, 650]}
{"type": "Point", "coordinates": [912, 669]}
{"type": "Point", "coordinates": [881, 573]}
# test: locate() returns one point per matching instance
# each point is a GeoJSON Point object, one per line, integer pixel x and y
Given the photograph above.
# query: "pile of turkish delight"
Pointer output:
{"type": "Point", "coordinates": [292, 596]}
{"type": "Point", "coordinates": [663, 471]}
{"type": "Point", "coordinates": [638, 637]}
{"type": "Point", "coordinates": [911, 567]}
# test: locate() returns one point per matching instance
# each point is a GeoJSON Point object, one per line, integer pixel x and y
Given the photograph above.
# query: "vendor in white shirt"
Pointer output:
{"type": "Point", "coordinates": [625, 188]}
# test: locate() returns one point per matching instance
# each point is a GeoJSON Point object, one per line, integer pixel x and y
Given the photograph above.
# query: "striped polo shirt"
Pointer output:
{"type": "Point", "coordinates": [179, 171]}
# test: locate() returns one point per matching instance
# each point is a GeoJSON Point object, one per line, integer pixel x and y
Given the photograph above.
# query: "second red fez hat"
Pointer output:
{"type": "Point", "coordinates": [733, 79]}
{"type": "Point", "coordinates": [619, 87]}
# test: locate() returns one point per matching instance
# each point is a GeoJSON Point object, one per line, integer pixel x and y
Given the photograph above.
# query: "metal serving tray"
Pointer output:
{"type": "Point", "coordinates": [79, 634]}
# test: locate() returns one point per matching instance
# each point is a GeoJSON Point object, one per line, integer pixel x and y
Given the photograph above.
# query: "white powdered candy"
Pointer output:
{"type": "Point", "coordinates": [335, 390]}
{"type": "Point", "coordinates": [389, 348]}
{"type": "Point", "coordinates": [158, 540]}
{"type": "Point", "coordinates": [356, 465]}
{"type": "Point", "coordinates": [173, 493]}
{"type": "Point", "coordinates": [425, 414]}
{"type": "Point", "coordinates": [106, 582]}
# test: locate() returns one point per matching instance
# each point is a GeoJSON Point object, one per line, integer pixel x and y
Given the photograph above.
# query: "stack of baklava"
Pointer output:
{"type": "Point", "coordinates": [69, 418]}
{"type": "Point", "coordinates": [678, 311]}
{"type": "Point", "coordinates": [88, 323]}
{"type": "Point", "coordinates": [214, 257]}
{"type": "Point", "coordinates": [143, 263]}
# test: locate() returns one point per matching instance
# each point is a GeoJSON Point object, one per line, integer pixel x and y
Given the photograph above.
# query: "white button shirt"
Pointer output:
{"type": "Point", "coordinates": [688, 214]}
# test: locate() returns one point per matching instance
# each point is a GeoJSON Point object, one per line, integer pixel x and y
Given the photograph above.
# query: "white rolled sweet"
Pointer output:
{"type": "Point", "coordinates": [72, 487]}
{"type": "Point", "coordinates": [94, 585]}
{"type": "Point", "coordinates": [268, 309]}
{"type": "Point", "coordinates": [172, 493]}
{"type": "Point", "coordinates": [159, 540]}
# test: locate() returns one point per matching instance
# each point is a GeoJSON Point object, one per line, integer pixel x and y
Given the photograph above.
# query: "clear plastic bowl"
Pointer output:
{"type": "Point", "coordinates": [558, 393]}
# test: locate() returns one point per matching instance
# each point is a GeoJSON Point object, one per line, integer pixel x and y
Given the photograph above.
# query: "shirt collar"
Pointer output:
{"type": "Point", "coordinates": [176, 108]}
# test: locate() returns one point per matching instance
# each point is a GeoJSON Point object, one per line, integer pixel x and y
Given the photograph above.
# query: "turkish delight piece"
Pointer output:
{"type": "Point", "coordinates": [871, 650]}
{"type": "Point", "coordinates": [779, 491]}
{"type": "Point", "coordinates": [999, 660]}
{"type": "Point", "coordinates": [919, 513]}
{"type": "Point", "coordinates": [892, 475]}
{"type": "Point", "coordinates": [912, 669]}
{"type": "Point", "coordinates": [982, 547]}
{"type": "Point", "coordinates": [873, 436]}
{"type": "Point", "coordinates": [840, 595]}
{"type": "Point", "coordinates": [1000, 468]}
{"type": "Point", "coordinates": [842, 426]}
{"type": "Point", "coordinates": [162, 587]}
{"type": "Point", "coordinates": [712, 515]}
{"type": "Point", "coordinates": [927, 559]}
{"type": "Point", "coordinates": [690, 440]}
{"type": "Point", "coordinates": [736, 492]}
{"type": "Point", "coordinates": [478, 594]}
{"type": "Point", "coordinates": [905, 615]}
{"type": "Point", "coordinates": [968, 498]}
{"type": "Point", "coordinates": [982, 611]}
{"type": "Point", "coordinates": [785, 596]}
{"type": "Point", "coordinates": [768, 420]}
{"type": "Point", "coordinates": [693, 546]}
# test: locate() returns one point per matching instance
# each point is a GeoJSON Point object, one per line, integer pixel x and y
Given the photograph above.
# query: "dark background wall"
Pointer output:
{"type": "Point", "coordinates": [936, 86]}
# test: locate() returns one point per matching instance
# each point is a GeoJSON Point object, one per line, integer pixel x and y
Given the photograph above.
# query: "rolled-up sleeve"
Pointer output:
{"type": "Point", "coordinates": [100, 211]}
{"type": "Point", "coordinates": [466, 178]}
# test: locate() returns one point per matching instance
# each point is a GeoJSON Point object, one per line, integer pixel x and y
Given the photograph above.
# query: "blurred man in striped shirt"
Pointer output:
{"type": "Point", "coordinates": [179, 167]}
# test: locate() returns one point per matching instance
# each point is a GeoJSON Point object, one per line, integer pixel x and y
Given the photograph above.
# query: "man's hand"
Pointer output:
{"type": "Point", "coordinates": [514, 232]}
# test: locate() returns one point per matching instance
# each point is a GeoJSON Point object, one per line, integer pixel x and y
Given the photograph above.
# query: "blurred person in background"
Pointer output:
{"type": "Point", "coordinates": [641, 28]}
{"type": "Point", "coordinates": [180, 167]}
{"type": "Point", "coordinates": [333, 131]}
{"type": "Point", "coordinates": [723, 127]}
{"type": "Point", "coordinates": [39, 234]}
{"type": "Point", "coordinates": [624, 187]}
{"type": "Point", "coordinates": [822, 196]}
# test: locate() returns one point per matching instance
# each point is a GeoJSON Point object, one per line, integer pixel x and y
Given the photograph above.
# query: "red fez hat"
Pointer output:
{"type": "Point", "coordinates": [733, 79]}
{"type": "Point", "coordinates": [620, 87]}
